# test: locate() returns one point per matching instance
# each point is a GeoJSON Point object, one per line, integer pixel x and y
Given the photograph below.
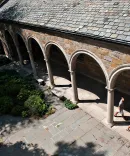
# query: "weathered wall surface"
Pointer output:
{"type": "Point", "coordinates": [112, 55]}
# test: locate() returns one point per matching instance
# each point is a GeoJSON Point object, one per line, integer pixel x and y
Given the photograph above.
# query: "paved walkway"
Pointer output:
{"type": "Point", "coordinates": [67, 132]}
{"type": "Point", "coordinates": [77, 132]}
{"type": "Point", "coordinates": [89, 103]}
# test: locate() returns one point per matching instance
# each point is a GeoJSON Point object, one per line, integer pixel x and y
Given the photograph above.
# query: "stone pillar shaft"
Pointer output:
{"type": "Point", "coordinates": [32, 63]}
{"type": "Point", "coordinates": [110, 106]}
{"type": "Point", "coordinates": [74, 87]}
{"type": "Point", "coordinates": [50, 75]}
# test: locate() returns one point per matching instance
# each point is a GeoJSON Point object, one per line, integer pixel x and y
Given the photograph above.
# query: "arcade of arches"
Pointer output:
{"type": "Point", "coordinates": [82, 73]}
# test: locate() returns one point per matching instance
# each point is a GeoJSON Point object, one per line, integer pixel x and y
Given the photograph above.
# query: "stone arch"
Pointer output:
{"type": "Point", "coordinates": [48, 46]}
{"type": "Point", "coordinates": [73, 62]}
{"type": "Point", "coordinates": [11, 45]}
{"type": "Point", "coordinates": [23, 38]}
{"type": "Point", "coordinates": [22, 47]}
{"type": "Point", "coordinates": [74, 56]}
{"type": "Point", "coordinates": [115, 73]}
{"type": "Point", "coordinates": [37, 52]}
{"type": "Point", "coordinates": [57, 65]}
{"type": "Point", "coordinates": [111, 86]}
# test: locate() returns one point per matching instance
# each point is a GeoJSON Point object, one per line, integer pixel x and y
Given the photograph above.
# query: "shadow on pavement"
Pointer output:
{"type": "Point", "coordinates": [63, 149]}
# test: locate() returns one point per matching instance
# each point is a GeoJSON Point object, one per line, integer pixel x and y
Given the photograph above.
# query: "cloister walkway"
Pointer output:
{"type": "Point", "coordinates": [93, 100]}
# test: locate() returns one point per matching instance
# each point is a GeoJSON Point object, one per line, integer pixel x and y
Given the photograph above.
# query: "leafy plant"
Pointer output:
{"type": "Point", "coordinates": [25, 114]}
{"type": "Point", "coordinates": [70, 105]}
{"type": "Point", "coordinates": [25, 93]}
{"type": "Point", "coordinates": [35, 105]}
{"type": "Point", "coordinates": [17, 110]}
{"type": "Point", "coordinates": [6, 104]}
{"type": "Point", "coordinates": [51, 110]}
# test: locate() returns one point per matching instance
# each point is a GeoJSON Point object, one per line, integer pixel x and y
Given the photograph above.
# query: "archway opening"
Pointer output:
{"type": "Point", "coordinates": [1, 49]}
{"type": "Point", "coordinates": [59, 67]}
{"type": "Point", "coordinates": [122, 89]}
{"type": "Point", "coordinates": [12, 47]}
{"type": "Point", "coordinates": [90, 79]}
{"type": "Point", "coordinates": [23, 51]}
{"type": "Point", "coordinates": [38, 57]}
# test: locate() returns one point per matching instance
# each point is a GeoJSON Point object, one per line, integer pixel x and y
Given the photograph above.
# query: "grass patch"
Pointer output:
{"type": "Point", "coordinates": [68, 104]}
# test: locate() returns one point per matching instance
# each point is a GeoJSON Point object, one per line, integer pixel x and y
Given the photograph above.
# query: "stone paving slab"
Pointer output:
{"type": "Point", "coordinates": [81, 135]}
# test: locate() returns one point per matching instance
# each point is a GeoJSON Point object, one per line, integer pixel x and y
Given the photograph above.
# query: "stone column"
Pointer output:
{"type": "Point", "coordinates": [110, 106]}
{"type": "Point", "coordinates": [74, 87]}
{"type": "Point", "coordinates": [32, 63]}
{"type": "Point", "coordinates": [18, 51]}
{"type": "Point", "coordinates": [50, 75]}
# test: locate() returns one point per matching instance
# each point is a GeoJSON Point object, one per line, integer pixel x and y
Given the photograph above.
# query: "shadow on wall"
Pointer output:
{"type": "Point", "coordinates": [64, 149]}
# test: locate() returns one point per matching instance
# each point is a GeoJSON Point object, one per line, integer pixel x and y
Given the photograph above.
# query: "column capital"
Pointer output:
{"type": "Point", "coordinates": [109, 89]}
{"type": "Point", "coordinates": [71, 71]}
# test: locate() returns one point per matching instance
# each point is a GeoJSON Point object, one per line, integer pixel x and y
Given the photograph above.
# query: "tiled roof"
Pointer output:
{"type": "Point", "coordinates": [108, 19]}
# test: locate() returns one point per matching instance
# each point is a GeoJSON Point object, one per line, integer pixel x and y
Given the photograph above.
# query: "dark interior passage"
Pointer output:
{"type": "Point", "coordinates": [59, 63]}
{"type": "Point", "coordinates": [1, 49]}
{"type": "Point", "coordinates": [123, 89]}
{"type": "Point", "coordinates": [90, 77]}
{"type": "Point", "coordinates": [11, 45]}
{"type": "Point", "coordinates": [23, 49]}
{"type": "Point", "coordinates": [38, 57]}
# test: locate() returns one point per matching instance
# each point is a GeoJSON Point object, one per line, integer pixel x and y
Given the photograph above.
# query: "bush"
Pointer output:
{"type": "Point", "coordinates": [12, 89]}
{"type": "Point", "coordinates": [17, 110]}
{"type": "Point", "coordinates": [25, 114]}
{"type": "Point", "coordinates": [51, 110]}
{"type": "Point", "coordinates": [6, 104]}
{"type": "Point", "coordinates": [35, 105]}
{"type": "Point", "coordinates": [24, 94]}
{"type": "Point", "coordinates": [2, 90]}
{"type": "Point", "coordinates": [70, 105]}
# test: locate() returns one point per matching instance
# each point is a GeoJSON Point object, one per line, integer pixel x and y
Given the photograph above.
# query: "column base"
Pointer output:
{"type": "Point", "coordinates": [75, 102]}
{"type": "Point", "coordinates": [52, 86]}
{"type": "Point", "coordinates": [110, 125]}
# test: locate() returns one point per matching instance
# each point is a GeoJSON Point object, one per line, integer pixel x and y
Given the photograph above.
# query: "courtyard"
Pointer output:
{"type": "Point", "coordinates": [82, 131]}
{"type": "Point", "coordinates": [67, 132]}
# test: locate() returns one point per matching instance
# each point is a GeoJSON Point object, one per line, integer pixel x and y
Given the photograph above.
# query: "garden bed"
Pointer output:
{"type": "Point", "coordinates": [20, 97]}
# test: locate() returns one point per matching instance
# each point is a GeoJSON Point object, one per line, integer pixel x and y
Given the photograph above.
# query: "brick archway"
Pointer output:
{"type": "Point", "coordinates": [111, 86]}
{"type": "Point", "coordinates": [22, 47]}
{"type": "Point", "coordinates": [73, 61]}
{"type": "Point", "coordinates": [37, 52]}
{"type": "Point", "coordinates": [58, 64]}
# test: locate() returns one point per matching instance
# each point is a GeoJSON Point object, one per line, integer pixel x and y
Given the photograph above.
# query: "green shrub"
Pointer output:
{"type": "Point", "coordinates": [2, 90]}
{"type": "Point", "coordinates": [17, 110]}
{"type": "Point", "coordinates": [24, 94]}
{"type": "Point", "coordinates": [35, 105]}
{"type": "Point", "coordinates": [13, 89]}
{"type": "Point", "coordinates": [69, 104]}
{"type": "Point", "coordinates": [38, 93]}
{"type": "Point", "coordinates": [6, 104]}
{"type": "Point", "coordinates": [25, 114]}
{"type": "Point", "coordinates": [51, 110]}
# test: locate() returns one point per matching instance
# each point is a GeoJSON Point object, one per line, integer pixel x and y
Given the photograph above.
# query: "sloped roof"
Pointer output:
{"type": "Point", "coordinates": [108, 19]}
